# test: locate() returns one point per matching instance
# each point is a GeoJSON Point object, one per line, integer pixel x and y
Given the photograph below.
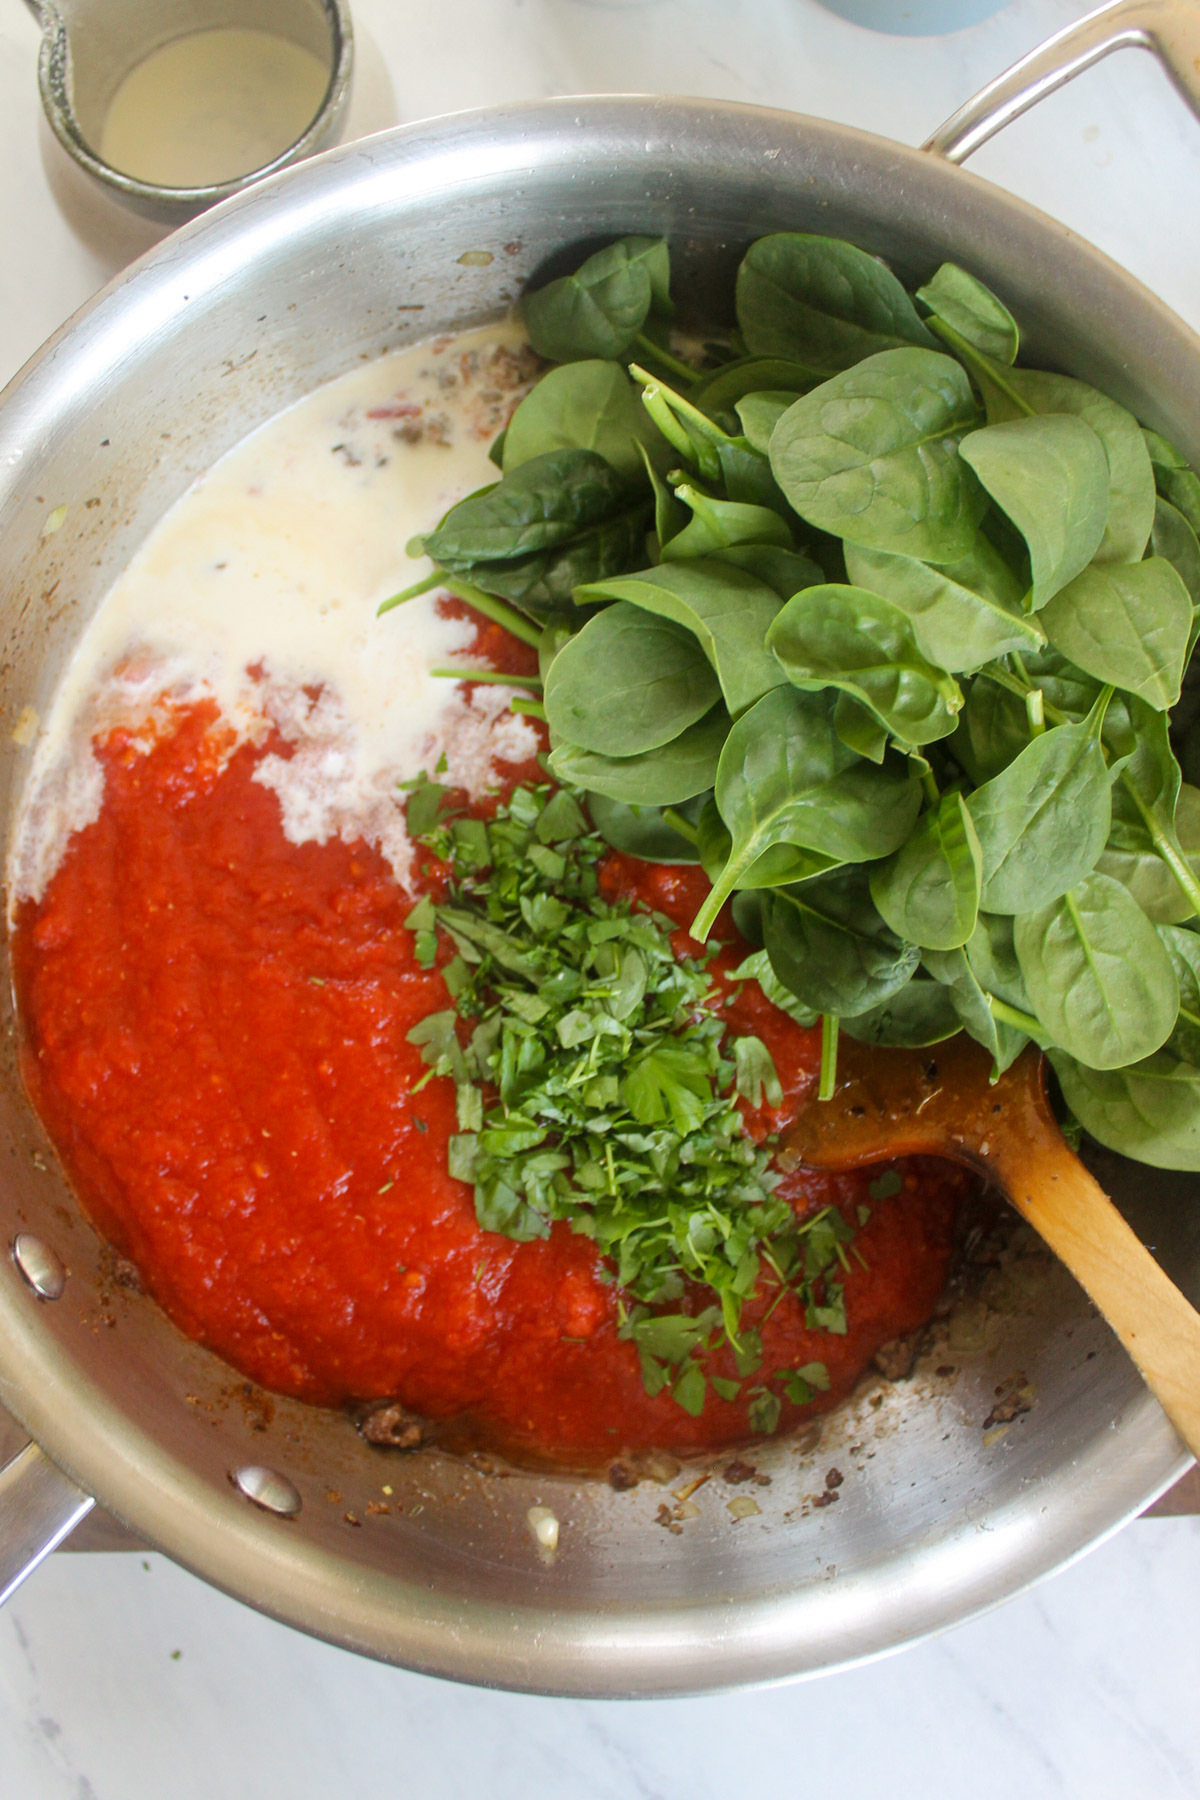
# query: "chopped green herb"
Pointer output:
{"type": "Point", "coordinates": [885, 1185]}
{"type": "Point", "coordinates": [764, 1411]}
{"type": "Point", "coordinates": [596, 1083]}
{"type": "Point", "coordinates": [756, 1079]}
{"type": "Point", "coordinates": [800, 1385]}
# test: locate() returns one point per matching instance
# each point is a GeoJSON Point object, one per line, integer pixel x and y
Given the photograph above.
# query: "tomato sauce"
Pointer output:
{"type": "Point", "coordinates": [216, 1024]}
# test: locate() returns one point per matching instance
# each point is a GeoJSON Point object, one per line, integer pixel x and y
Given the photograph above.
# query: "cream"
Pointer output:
{"type": "Point", "coordinates": [259, 590]}
{"type": "Point", "coordinates": [212, 106]}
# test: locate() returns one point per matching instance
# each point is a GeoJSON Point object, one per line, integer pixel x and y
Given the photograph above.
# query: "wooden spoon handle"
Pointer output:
{"type": "Point", "coordinates": [1157, 1325]}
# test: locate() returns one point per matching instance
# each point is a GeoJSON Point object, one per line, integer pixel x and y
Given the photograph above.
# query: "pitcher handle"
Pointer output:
{"type": "Point", "coordinates": [1170, 29]}
{"type": "Point", "coordinates": [39, 1507]}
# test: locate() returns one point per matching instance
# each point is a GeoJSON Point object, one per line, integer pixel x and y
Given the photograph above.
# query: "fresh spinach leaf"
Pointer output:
{"type": "Point", "coordinates": [1173, 538]}
{"type": "Point", "coordinates": [642, 831]}
{"type": "Point", "coordinates": [1130, 479]}
{"type": "Point", "coordinates": [539, 506]}
{"type": "Point", "coordinates": [761, 412]}
{"type": "Point", "coordinates": [1150, 1111]}
{"type": "Point", "coordinates": [600, 309]}
{"type": "Point", "coordinates": [746, 474]}
{"type": "Point", "coordinates": [1022, 393]}
{"type": "Point", "coordinates": [973, 310]}
{"type": "Point", "coordinates": [664, 776]}
{"type": "Point", "coordinates": [821, 302]}
{"type": "Point", "coordinates": [777, 866]}
{"type": "Point", "coordinates": [962, 616]}
{"type": "Point", "coordinates": [1125, 623]}
{"type": "Point", "coordinates": [562, 518]}
{"type": "Point", "coordinates": [928, 890]}
{"type": "Point", "coordinates": [728, 612]}
{"type": "Point", "coordinates": [992, 955]}
{"type": "Point", "coordinates": [922, 1012]}
{"type": "Point", "coordinates": [860, 729]}
{"type": "Point", "coordinates": [1050, 475]}
{"type": "Point", "coordinates": [1162, 453]}
{"type": "Point", "coordinates": [971, 1002]}
{"type": "Point", "coordinates": [852, 640]}
{"type": "Point", "coordinates": [758, 968]}
{"type": "Point", "coordinates": [718, 524]}
{"type": "Point", "coordinates": [785, 778]}
{"type": "Point", "coordinates": [1131, 857]}
{"type": "Point", "coordinates": [872, 456]}
{"type": "Point", "coordinates": [720, 391]}
{"type": "Point", "coordinates": [1098, 975]}
{"type": "Point", "coordinates": [589, 405]}
{"type": "Point", "coordinates": [1148, 816]}
{"type": "Point", "coordinates": [1043, 821]}
{"type": "Point", "coordinates": [628, 682]}
{"type": "Point", "coordinates": [993, 728]}
{"type": "Point", "coordinates": [784, 570]}
{"type": "Point", "coordinates": [1180, 485]}
{"type": "Point", "coordinates": [828, 945]}
{"type": "Point", "coordinates": [1183, 948]}
{"type": "Point", "coordinates": [543, 584]}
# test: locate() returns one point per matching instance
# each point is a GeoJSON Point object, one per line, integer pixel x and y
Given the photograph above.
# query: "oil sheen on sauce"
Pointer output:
{"type": "Point", "coordinates": [212, 106]}
{"type": "Point", "coordinates": [210, 883]}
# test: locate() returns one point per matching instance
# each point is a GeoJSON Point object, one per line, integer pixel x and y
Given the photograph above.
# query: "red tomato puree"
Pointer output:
{"type": "Point", "coordinates": [216, 1027]}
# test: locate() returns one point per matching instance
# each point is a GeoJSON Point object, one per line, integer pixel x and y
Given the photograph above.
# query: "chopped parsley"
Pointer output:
{"type": "Point", "coordinates": [597, 1082]}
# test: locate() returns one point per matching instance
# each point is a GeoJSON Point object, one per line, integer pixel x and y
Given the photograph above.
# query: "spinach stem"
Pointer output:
{"type": "Point", "coordinates": [1166, 846]}
{"type": "Point", "coordinates": [1035, 708]}
{"type": "Point", "coordinates": [1005, 1014]}
{"type": "Point", "coordinates": [678, 823]}
{"type": "Point", "coordinates": [829, 1052]}
{"type": "Point", "coordinates": [532, 709]}
{"type": "Point", "coordinates": [922, 769]}
{"type": "Point", "coordinates": [492, 609]}
{"type": "Point", "coordinates": [495, 675]}
{"type": "Point", "coordinates": [418, 587]}
{"type": "Point", "coordinates": [659, 355]}
{"type": "Point", "coordinates": [675, 434]}
{"type": "Point", "coordinates": [1103, 701]}
{"type": "Point", "coordinates": [980, 365]}
{"type": "Point", "coordinates": [1002, 679]}
{"type": "Point", "coordinates": [700, 434]}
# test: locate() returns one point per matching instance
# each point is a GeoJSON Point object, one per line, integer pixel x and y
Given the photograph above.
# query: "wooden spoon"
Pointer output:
{"type": "Point", "coordinates": [940, 1102]}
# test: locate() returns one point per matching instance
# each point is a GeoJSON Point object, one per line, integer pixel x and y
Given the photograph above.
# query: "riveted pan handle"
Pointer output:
{"type": "Point", "coordinates": [39, 1507]}
{"type": "Point", "coordinates": [1170, 29]}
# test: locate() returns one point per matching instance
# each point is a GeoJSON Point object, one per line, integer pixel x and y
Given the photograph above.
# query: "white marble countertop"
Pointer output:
{"type": "Point", "coordinates": [121, 1678]}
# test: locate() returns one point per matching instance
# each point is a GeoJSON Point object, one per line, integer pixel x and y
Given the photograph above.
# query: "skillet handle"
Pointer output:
{"type": "Point", "coordinates": [39, 1507]}
{"type": "Point", "coordinates": [1170, 29]}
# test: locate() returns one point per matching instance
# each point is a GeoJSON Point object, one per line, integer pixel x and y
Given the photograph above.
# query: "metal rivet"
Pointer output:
{"type": "Point", "coordinates": [39, 1265]}
{"type": "Point", "coordinates": [268, 1489]}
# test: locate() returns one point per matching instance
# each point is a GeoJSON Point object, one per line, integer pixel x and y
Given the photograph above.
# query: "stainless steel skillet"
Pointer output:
{"type": "Point", "coordinates": [940, 1514]}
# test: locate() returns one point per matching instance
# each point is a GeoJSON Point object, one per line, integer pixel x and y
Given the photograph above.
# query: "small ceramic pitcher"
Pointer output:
{"type": "Point", "coordinates": [90, 46]}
